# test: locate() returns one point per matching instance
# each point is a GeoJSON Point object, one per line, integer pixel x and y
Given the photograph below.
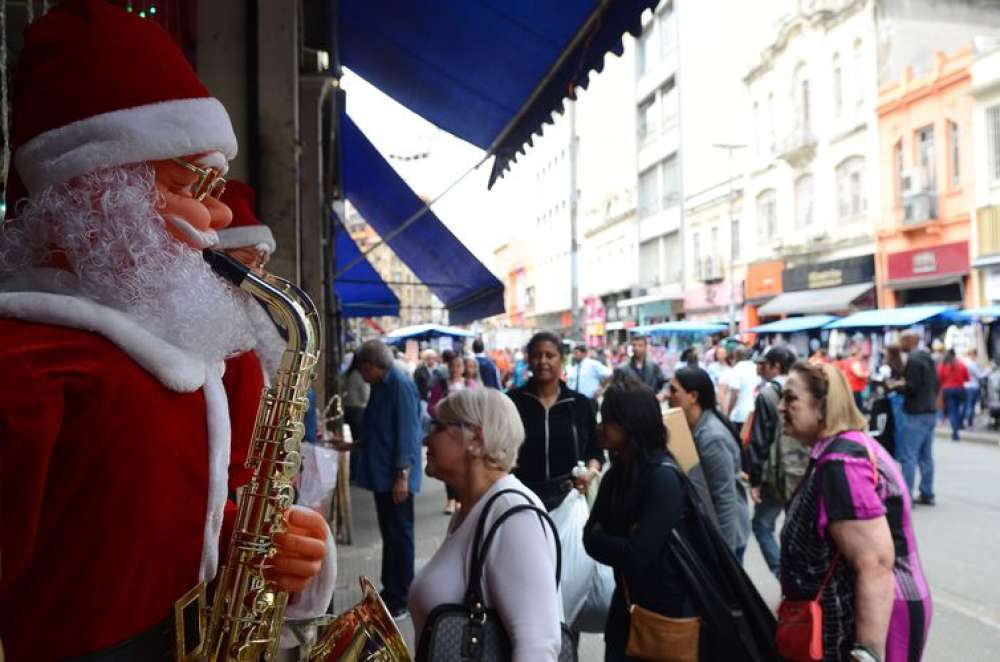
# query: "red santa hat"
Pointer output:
{"type": "Point", "coordinates": [96, 87]}
{"type": "Point", "coordinates": [246, 229]}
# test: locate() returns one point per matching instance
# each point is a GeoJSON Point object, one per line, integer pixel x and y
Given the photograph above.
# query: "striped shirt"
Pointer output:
{"type": "Point", "coordinates": [839, 485]}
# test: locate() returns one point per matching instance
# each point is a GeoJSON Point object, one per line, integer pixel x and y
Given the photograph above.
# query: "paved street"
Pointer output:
{"type": "Point", "coordinates": [959, 544]}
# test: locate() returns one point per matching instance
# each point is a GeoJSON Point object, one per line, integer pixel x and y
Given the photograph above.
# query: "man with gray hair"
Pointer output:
{"type": "Point", "coordinates": [389, 465]}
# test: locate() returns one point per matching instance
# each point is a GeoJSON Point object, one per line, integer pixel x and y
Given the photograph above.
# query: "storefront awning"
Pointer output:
{"type": "Point", "coordinates": [987, 311]}
{"type": "Point", "coordinates": [794, 324]}
{"type": "Point", "coordinates": [426, 332]}
{"type": "Point", "coordinates": [924, 281]}
{"type": "Point", "coordinates": [467, 288]}
{"type": "Point", "coordinates": [890, 317]}
{"type": "Point", "coordinates": [361, 291]}
{"type": "Point", "coordinates": [824, 300]}
{"type": "Point", "coordinates": [683, 326]}
{"type": "Point", "coordinates": [489, 72]}
{"type": "Point", "coordinates": [672, 293]}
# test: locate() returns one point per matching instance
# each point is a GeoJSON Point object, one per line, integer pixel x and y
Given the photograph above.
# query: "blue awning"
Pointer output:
{"type": "Point", "coordinates": [426, 332]}
{"type": "Point", "coordinates": [986, 311]}
{"type": "Point", "coordinates": [683, 326]}
{"type": "Point", "coordinates": [491, 72]}
{"type": "Point", "coordinates": [890, 317]}
{"type": "Point", "coordinates": [467, 288]}
{"type": "Point", "coordinates": [794, 324]}
{"type": "Point", "coordinates": [361, 291]}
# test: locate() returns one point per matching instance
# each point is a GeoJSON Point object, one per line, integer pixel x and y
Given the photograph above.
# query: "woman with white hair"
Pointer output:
{"type": "Point", "coordinates": [472, 447]}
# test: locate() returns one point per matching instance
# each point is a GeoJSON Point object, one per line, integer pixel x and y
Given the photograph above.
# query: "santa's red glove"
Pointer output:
{"type": "Point", "coordinates": [301, 549]}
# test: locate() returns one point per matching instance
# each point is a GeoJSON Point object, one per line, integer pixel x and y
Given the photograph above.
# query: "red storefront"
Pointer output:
{"type": "Point", "coordinates": [936, 274]}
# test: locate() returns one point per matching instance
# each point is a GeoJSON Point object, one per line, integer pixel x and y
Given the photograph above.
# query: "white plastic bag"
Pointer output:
{"type": "Point", "coordinates": [584, 584]}
{"type": "Point", "coordinates": [319, 474]}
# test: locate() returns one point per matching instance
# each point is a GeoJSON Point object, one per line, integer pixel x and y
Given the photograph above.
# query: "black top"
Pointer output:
{"type": "Point", "coordinates": [920, 390]}
{"type": "Point", "coordinates": [556, 439]}
{"type": "Point", "coordinates": [628, 530]}
{"type": "Point", "coordinates": [423, 377]}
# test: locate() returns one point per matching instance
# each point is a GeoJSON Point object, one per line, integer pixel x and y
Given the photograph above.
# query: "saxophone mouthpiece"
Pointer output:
{"type": "Point", "coordinates": [227, 267]}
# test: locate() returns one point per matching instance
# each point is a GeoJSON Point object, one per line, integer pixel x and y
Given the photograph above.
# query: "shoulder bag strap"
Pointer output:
{"type": "Point", "coordinates": [479, 558]}
{"type": "Point", "coordinates": [475, 562]}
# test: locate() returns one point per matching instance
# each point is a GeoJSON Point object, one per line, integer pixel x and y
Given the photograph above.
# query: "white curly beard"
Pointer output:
{"type": "Point", "coordinates": [105, 228]}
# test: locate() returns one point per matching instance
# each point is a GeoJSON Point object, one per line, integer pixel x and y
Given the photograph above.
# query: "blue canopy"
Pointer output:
{"type": "Point", "coordinates": [890, 317]}
{"type": "Point", "coordinates": [488, 71]}
{"type": "Point", "coordinates": [361, 291]}
{"type": "Point", "coordinates": [986, 311]}
{"type": "Point", "coordinates": [683, 326]}
{"type": "Point", "coordinates": [426, 332]}
{"type": "Point", "coordinates": [467, 288]}
{"type": "Point", "coordinates": [794, 324]}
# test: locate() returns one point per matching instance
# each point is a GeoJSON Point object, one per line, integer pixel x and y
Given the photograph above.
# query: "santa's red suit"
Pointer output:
{"type": "Point", "coordinates": [111, 510]}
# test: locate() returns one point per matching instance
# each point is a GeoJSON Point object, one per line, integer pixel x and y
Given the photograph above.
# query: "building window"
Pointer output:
{"type": "Point", "coordinates": [897, 158]}
{"type": "Point", "coordinates": [859, 74]}
{"type": "Point", "coordinates": [734, 239]}
{"type": "Point", "coordinates": [838, 86]}
{"type": "Point", "coordinates": [649, 193]}
{"type": "Point", "coordinates": [696, 254]}
{"type": "Point", "coordinates": [767, 215]}
{"type": "Point", "coordinates": [647, 48]}
{"type": "Point", "coordinates": [925, 156]}
{"type": "Point", "coordinates": [851, 201]}
{"type": "Point", "coordinates": [647, 118]}
{"type": "Point", "coordinates": [671, 182]}
{"type": "Point", "coordinates": [756, 128]}
{"type": "Point", "coordinates": [993, 140]}
{"type": "Point", "coordinates": [672, 256]}
{"type": "Point", "coordinates": [649, 263]}
{"type": "Point", "coordinates": [668, 31]}
{"type": "Point", "coordinates": [770, 123]}
{"type": "Point", "coordinates": [668, 104]}
{"type": "Point", "coordinates": [804, 201]}
{"type": "Point", "coordinates": [800, 100]}
{"type": "Point", "coordinates": [953, 150]}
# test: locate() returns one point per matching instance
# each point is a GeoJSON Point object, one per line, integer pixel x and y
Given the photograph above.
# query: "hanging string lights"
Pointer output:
{"type": "Point", "coordinates": [145, 9]}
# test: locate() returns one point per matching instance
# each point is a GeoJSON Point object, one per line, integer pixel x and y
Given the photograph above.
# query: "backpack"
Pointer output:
{"type": "Point", "coordinates": [787, 458]}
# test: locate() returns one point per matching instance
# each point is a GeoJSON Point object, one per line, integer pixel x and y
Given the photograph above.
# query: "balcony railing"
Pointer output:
{"type": "Point", "coordinates": [988, 226]}
{"type": "Point", "coordinates": [797, 146]}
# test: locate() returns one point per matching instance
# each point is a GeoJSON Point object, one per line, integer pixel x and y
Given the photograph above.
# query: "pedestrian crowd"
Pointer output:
{"type": "Point", "coordinates": [628, 543]}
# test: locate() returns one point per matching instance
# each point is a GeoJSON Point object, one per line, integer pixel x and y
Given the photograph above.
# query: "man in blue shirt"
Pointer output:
{"type": "Point", "coordinates": [389, 465]}
{"type": "Point", "coordinates": [586, 375]}
{"type": "Point", "coordinates": [487, 368]}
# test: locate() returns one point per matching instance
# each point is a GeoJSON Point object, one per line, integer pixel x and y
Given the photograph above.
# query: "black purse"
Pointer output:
{"type": "Point", "coordinates": [470, 632]}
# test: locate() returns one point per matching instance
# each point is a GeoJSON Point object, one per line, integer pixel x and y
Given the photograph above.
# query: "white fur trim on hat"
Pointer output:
{"type": "Point", "coordinates": [247, 235]}
{"type": "Point", "coordinates": [145, 133]}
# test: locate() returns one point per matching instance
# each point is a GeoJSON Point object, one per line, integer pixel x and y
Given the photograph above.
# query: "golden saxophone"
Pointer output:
{"type": "Point", "coordinates": [248, 611]}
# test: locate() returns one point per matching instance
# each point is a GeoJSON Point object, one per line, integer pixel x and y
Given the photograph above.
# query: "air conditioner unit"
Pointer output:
{"type": "Point", "coordinates": [918, 208]}
{"type": "Point", "coordinates": [711, 269]}
{"type": "Point", "coordinates": [911, 182]}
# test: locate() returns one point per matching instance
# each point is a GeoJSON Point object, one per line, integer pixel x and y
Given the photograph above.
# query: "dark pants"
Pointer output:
{"type": "Point", "coordinates": [954, 403]}
{"type": "Point", "coordinates": [859, 401]}
{"type": "Point", "coordinates": [765, 517]}
{"type": "Point", "coordinates": [971, 400]}
{"type": "Point", "coordinates": [395, 523]}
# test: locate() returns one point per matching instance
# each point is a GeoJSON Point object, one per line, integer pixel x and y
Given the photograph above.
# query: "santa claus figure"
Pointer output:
{"type": "Point", "coordinates": [128, 386]}
{"type": "Point", "coordinates": [252, 243]}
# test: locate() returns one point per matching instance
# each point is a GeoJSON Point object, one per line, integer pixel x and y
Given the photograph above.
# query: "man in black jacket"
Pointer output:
{"type": "Point", "coordinates": [916, 438]}
{"type": "Point", "coordinates": [777, 462]}
{"type": "Point", "coordinates": [643, 369]}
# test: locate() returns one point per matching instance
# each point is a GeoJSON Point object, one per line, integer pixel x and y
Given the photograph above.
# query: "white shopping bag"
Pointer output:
{"type": "Point", "coordinates": [583, 585]}
{"type": "Point", "coordinates": [319, 474]}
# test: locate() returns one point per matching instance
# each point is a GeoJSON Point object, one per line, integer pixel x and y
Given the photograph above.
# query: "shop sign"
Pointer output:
{"type": "Point", "coordinates": [713, 296]}
{"type": "Point", "coordinates": [764, 279]}
{"type": "Point", "coordinates": [849, 271]}
{"type": "Point", "coordinates": [946, 260]}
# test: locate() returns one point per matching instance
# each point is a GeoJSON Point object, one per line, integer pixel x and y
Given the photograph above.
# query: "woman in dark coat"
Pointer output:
{"type": "Point", "coordinates": [559, 426]}
{"type": "Point", "coordinates": [641, 500]}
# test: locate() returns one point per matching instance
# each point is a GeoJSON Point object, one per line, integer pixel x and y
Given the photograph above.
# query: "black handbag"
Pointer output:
{"type": "Point", "coordinates": [470, 632]}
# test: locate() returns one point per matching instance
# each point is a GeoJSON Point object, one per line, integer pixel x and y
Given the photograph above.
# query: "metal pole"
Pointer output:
{"type": "Point", "coordinates": [574, 287]}
{"type": "Point", "coordinates": [730, 148]}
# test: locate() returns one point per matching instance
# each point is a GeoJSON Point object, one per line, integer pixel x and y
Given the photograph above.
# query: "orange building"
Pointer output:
{"type": "Point", "coordinates": [926, 178]}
